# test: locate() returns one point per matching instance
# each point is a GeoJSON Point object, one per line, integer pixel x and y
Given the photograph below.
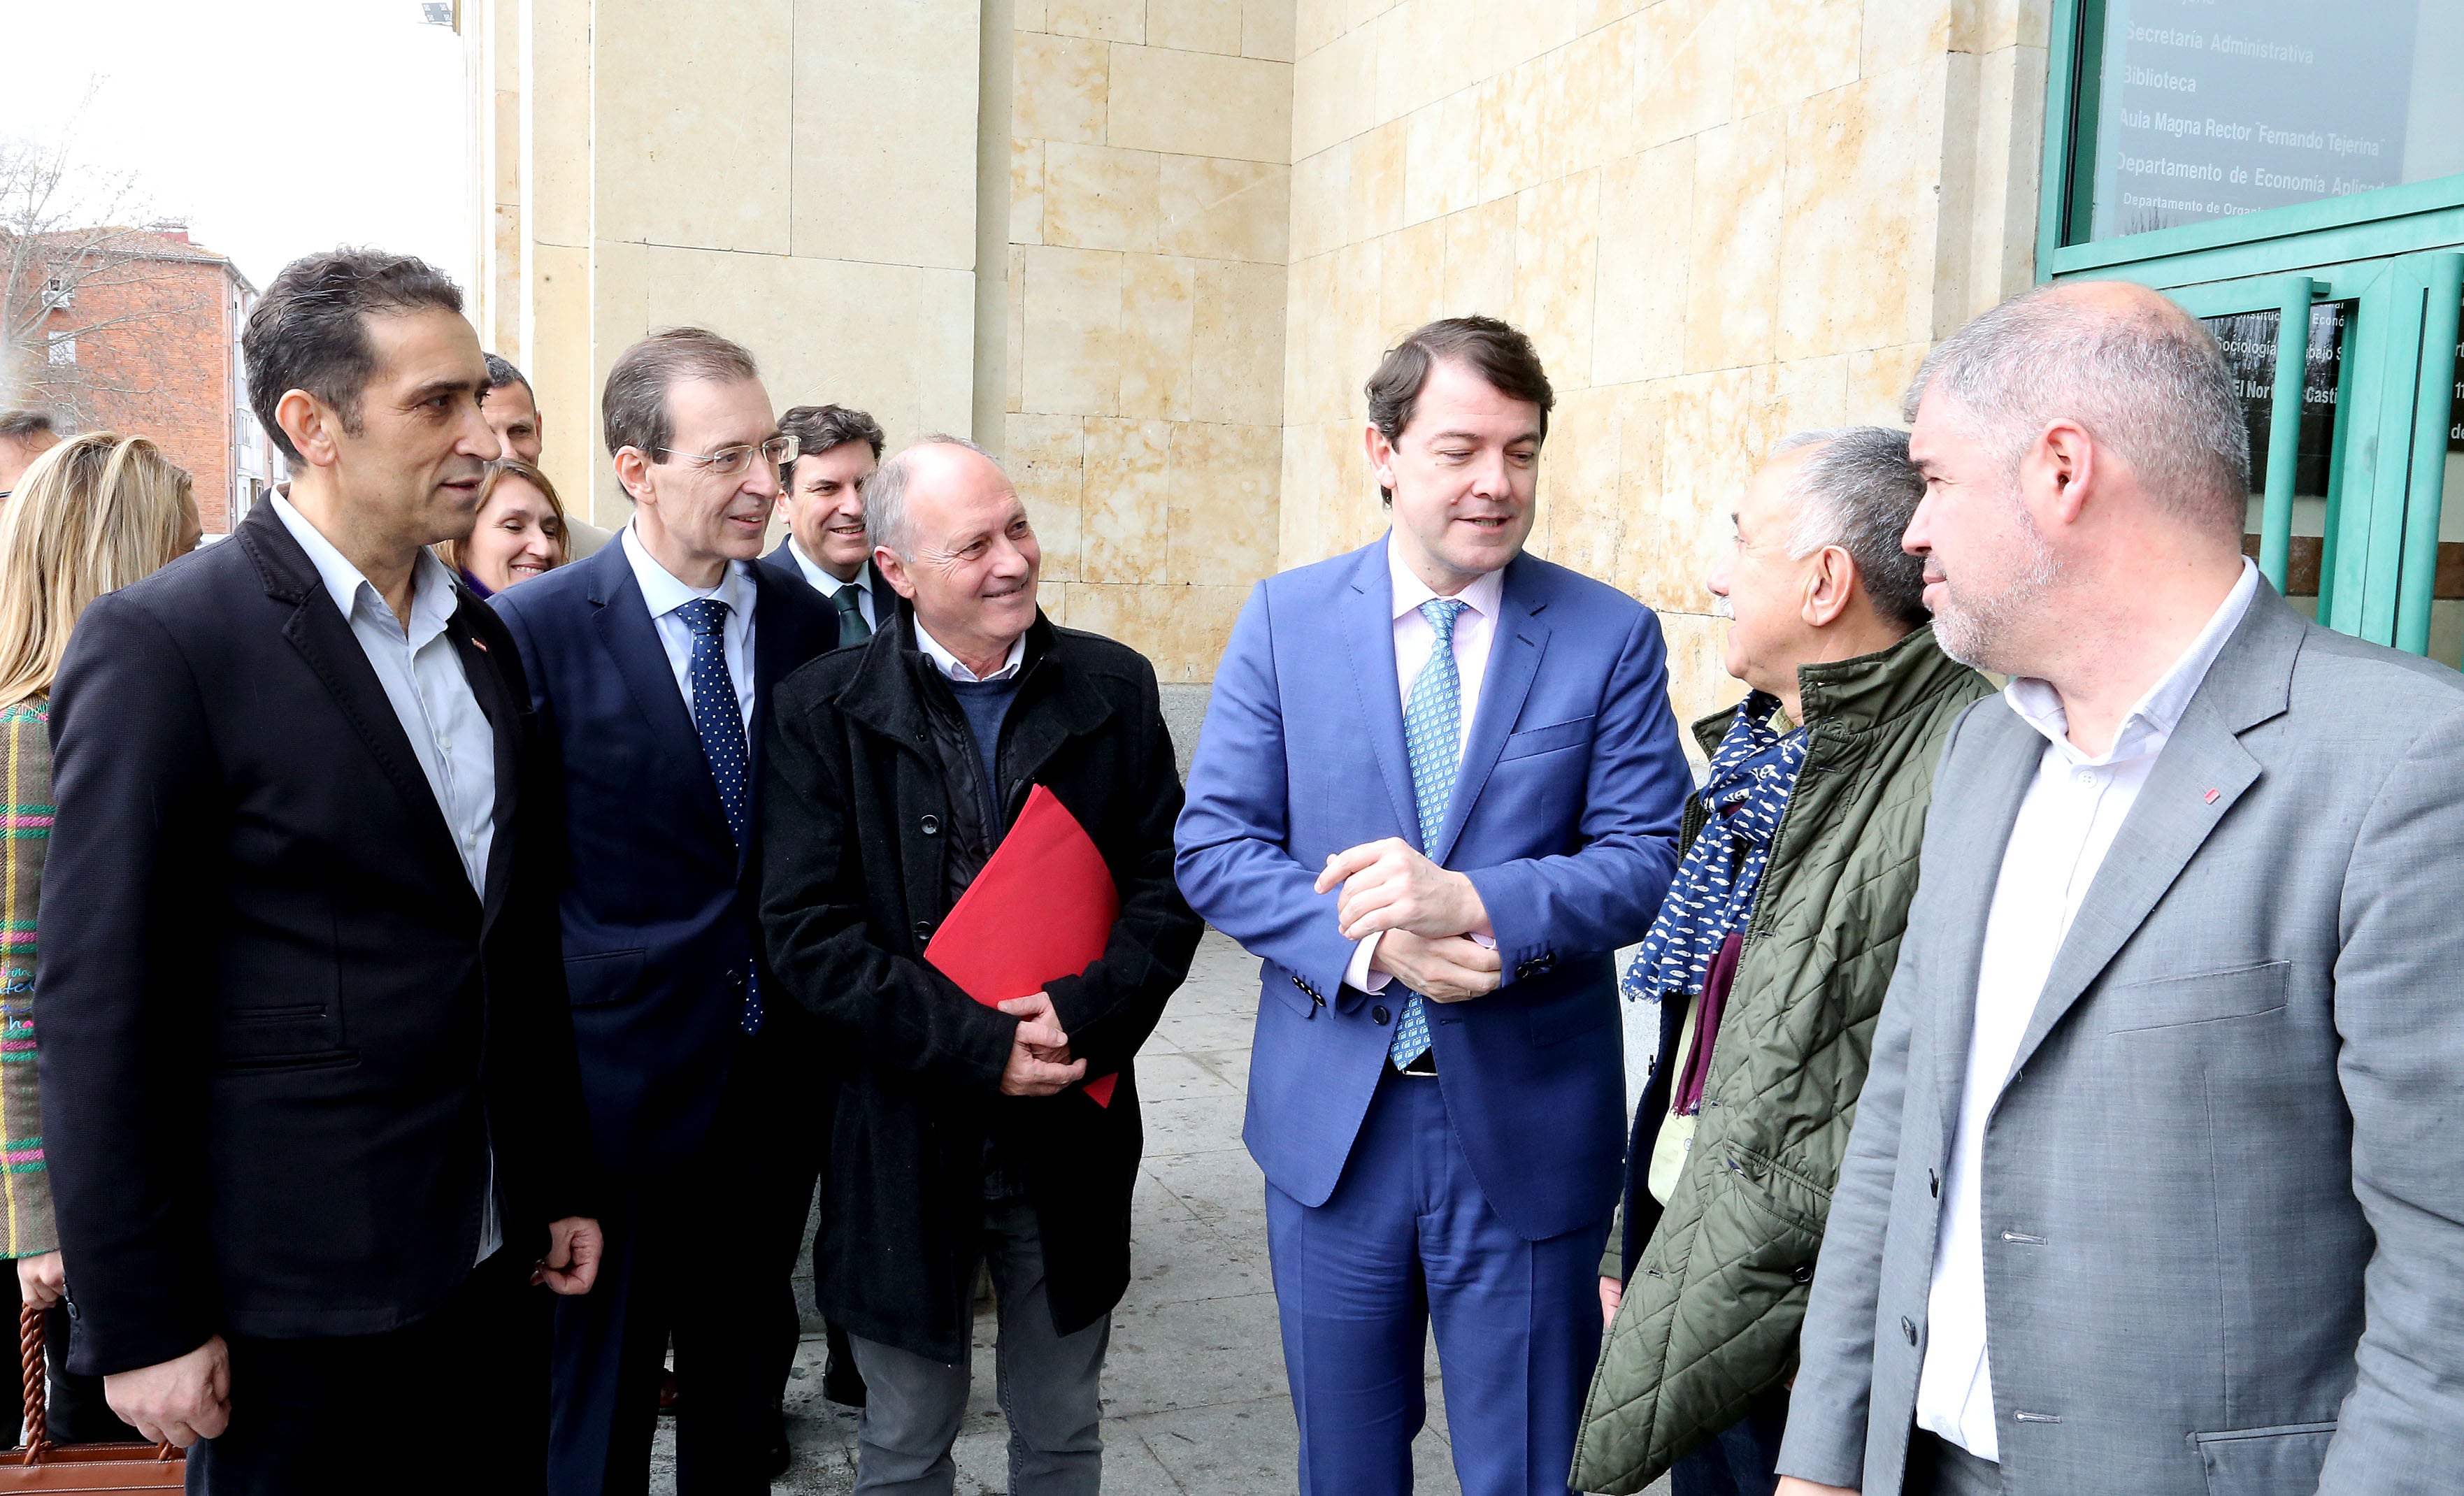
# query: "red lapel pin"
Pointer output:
{"type": "Point", "coordinates": [481, 645]}
{"type": "Point", "coordinates": [2212, 796]}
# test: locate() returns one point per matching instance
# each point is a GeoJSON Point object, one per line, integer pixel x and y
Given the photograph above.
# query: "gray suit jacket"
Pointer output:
{"type": "Point", "coordinates": [2223, 1192]}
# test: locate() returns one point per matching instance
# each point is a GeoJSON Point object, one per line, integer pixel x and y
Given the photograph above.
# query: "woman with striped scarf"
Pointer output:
{"type": "Point", "coordinates": [92, 515]}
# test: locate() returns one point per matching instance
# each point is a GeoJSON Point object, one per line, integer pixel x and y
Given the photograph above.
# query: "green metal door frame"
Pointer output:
{"type": "Point", "coordinates": [2391, 254]}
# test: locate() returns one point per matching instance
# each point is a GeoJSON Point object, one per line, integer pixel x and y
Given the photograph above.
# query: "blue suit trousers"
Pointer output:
{"type": "Point", "coordinates": [1408, 1241]}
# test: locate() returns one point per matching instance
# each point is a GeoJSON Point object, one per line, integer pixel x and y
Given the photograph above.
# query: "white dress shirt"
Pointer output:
{"type": "Point", "coordinates": [664, 595]}
{"type": "Point", "coordinates": [1475, 630]}
{"type": "Point", "coordinates": [431, 697]}
{"type": "Point", "coordinates": [953, 667]}
{"type": "Point", "coordinates": [2065, 826]}
{"type": "Point", "coordinates": [829, 585]}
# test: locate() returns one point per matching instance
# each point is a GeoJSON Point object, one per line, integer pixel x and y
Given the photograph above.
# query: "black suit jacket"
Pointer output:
{"type": "Point", "coordinates": [780, 562]}
{"type": "Point", "coordinates": [659, 906]}
{"type": "Point", "coordinates": [280, 1032]}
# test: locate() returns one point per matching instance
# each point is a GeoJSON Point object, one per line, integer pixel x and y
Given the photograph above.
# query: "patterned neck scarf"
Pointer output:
{"type": "Point", "coordinates": [1752, 776]}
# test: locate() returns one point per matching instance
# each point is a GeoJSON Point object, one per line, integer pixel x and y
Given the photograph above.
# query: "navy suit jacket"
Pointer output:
{"type": "Point", "coordinates": [1565, 816]}
{"type": "Point", "coordinates": [782, 563]}
{"type": "Point", "coordinates": [659, 907]}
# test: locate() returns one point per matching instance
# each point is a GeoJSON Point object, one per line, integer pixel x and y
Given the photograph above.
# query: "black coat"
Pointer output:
{"type": "Point", "coordinates": [280, 1032]}
{"type": "Point", "coordinates": [855, 883]}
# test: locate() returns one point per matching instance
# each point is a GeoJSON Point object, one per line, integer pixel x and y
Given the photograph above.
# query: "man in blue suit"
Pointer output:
{"type": "Point", "coordinates": [1439, 786]}
{"type": "Point", "coordinates": [649, 665]}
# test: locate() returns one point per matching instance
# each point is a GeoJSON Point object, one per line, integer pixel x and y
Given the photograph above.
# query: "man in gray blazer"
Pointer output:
{"type": "Point", "coordinates": [2156, 1187]}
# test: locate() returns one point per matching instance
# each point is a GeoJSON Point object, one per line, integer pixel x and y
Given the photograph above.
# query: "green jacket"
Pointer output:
{"type": "Point", "coordinates": [1710, 1316]}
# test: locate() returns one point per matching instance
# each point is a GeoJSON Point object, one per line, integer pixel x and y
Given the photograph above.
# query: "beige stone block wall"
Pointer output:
{"type": "Point", "coordinates": [797, 174]}
{"type": "Point", "coordinates": [1720, 220]}
{"type": "Point", "coordinates": [1149, 220]}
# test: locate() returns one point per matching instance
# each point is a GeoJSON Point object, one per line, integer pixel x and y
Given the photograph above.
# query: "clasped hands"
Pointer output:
{"type": "Point", "coordinates": [1424, 917]}
{"type": "Point", "coordinates": [1039, 1063]}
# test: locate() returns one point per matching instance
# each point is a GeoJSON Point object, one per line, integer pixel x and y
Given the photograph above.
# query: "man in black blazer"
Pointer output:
{"type": "Point", "coordinates": [821, 504]}
{"type": "Point", "coordinates": [649, 665]}
{"type": "Point", "coordinates": [310, 1092]}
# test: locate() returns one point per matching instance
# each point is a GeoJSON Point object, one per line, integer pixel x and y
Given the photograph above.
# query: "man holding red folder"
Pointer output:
{"type": "Point", "coordinates": [967, 1131]}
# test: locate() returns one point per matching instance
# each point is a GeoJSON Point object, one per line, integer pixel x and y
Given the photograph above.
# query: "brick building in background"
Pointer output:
{"type": "Point", "coordinates": [151, 347]}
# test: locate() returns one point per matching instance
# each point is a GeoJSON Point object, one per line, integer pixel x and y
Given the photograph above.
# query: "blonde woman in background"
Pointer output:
{"type": "Point", "coordinates": [94, 514]}
{"type": "Point", "coordinates": [520, 533]}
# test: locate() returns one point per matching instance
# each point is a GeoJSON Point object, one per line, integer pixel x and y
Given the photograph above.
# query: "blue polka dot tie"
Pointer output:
{"type": "Point", "coordinates": [1433, 740]}
{"type": "Point", "coordinates": [720, 721]}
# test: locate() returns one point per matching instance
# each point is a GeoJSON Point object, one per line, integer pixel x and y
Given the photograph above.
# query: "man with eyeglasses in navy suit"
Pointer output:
{"type": "Point", "coordinates": [650, 667]}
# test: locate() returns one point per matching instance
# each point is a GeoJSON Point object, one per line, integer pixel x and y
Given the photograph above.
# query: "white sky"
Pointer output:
{"type": "Point", "coordinates": [275, 127]}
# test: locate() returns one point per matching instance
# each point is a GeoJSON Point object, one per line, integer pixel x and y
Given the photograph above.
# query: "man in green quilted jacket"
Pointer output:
{"type": "Point", "coordinates": [1769, 961]}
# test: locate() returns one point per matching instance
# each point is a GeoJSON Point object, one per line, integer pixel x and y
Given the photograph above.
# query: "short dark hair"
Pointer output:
{"type": "Point", "coordinates": [18, 425]}
{"type": "Point", "coordinates": [817, 428]}
{"type": "Point", "coordinates": [309, 330]}
{"type": "Point", "coordinates": [501, 373]}
{"type": "Point", "coordinates": [1498, 352]}
{"type": "Point", "coordinates": [633, 408]}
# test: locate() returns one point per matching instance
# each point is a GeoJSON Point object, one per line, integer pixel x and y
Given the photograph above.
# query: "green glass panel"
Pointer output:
{"type": "Point", "coordinates": [2199, 110]}
{"type": "Point", "coordinates": [2249, 340]}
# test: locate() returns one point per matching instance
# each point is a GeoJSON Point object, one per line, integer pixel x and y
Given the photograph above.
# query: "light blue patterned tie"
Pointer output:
{"type": "Point", "coordinates": [720, 719]}
{"type": "Point", "coordinates": [1433, 740]}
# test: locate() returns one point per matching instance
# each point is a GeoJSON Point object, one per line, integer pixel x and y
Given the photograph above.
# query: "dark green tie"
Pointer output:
{"type": "Point", "coordinates": [852, 628]}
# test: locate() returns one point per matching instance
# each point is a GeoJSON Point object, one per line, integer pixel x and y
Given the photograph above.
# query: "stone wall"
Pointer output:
{"type": "Point", "coordinates": [1149, 199]}
{"type": "Point", "coordinates": [1720, 221]}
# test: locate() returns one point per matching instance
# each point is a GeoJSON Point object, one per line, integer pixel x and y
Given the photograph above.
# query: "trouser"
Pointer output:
{"type": "Point", "coordinates": [698, 1255]}
{"type": "Point", "coordinates": [1048, 1384]}
{"type": "Point", "coordinates": [456, 1401]}
{"type": "Point", "coordinates": [1407, 1240]}
{"type": "Point", "coordinates": [1741, 1459]}
{"type": "Point", "coordinates": [1939, 1467]}
{"type": "Point", "coordinates": [75, 1410]}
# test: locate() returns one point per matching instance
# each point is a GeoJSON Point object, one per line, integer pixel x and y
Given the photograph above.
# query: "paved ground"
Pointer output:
{"type": "Point", "coordinates": [1194, 1403]}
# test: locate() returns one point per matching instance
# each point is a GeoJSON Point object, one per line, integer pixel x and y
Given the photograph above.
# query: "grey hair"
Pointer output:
{"type": "Point", "coordinates": [2153, 386]}
{"type": "Point", "coordinates": [1858, 489]}
{"type": "Point", "coordinates": [885, 493]}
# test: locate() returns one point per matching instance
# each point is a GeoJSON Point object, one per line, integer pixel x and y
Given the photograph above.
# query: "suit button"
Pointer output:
{"type": "Point", "coordinates": [923, 929]}
{"type": "Point", "coordinates": [930, 826]}
{"type": "Point", "coordinates": [1804, 1272]}
{"type": "Point", "coordinates": [1379, 1014]}
{"type": "Point", "coordinates": [1908, 1327]}
{"type": "Point", "coordinates": [1933, 1182]}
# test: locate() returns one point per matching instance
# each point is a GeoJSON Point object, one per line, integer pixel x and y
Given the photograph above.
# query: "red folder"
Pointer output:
{"type": "Point", "coordinates": [1044, 907]}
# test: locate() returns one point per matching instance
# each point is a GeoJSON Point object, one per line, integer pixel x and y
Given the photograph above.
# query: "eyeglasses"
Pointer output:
{"type": "Point", "coordinates": [729, 461]}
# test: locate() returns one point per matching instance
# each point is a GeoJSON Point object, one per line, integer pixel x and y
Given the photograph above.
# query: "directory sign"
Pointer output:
{"type": "Point", "coordinates": [2214, 108]}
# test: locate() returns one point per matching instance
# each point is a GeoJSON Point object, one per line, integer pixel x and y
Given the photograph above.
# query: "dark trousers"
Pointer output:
{"type": "Point", "coordinates": [1939, 1467]}
{"type": "Point", "coordinates": [75, 1409]}
{"type": "Point", "coordinates": [1743, 1460]}
{"type": "Point", "coordinates": [1408, 1242]}
{"type": "Point", "coordinates": [362, 1413]}
{"type": "Point", "coordinates": [702, 1256]}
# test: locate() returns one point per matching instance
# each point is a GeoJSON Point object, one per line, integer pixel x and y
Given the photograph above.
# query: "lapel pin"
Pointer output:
{"type": "Point", "coordinates": [2212, 796]}
{"type": "Point", "coordinates": [481, 645]}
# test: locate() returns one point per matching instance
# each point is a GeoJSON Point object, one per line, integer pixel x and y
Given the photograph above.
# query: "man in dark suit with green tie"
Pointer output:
{"type": "Point", "coordinates": [821, 501]}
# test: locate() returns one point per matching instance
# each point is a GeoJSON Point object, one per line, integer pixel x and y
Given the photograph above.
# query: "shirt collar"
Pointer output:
{"type": "Point", "coordinates": [431, 585]}
{"type": "Point", "coordinates": [828, 584]}
{"type": "Point", "coordinates": [664, 594]}
{"type": "Point", "coordinates": [949, 663]}
{"type": "Point", "coordinates": [1410, 591]}
{"type": "Point", "coordinates": [2160, 710]}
